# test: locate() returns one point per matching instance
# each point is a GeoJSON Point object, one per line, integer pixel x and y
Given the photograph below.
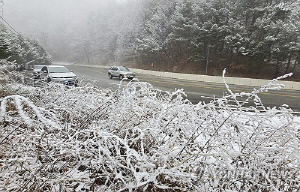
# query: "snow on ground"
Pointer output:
{"type": "Point", "coordinates": [60, 138]}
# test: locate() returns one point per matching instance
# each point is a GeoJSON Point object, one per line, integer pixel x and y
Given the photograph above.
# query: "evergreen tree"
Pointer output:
{"type": "Point", "coordinates": [21, 50]}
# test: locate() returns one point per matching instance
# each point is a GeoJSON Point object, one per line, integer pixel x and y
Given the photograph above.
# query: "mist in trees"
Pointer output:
{"type": "Point", "coordinates": [22, 51]}
{"type": "Point", "coordinates": [200, 36]}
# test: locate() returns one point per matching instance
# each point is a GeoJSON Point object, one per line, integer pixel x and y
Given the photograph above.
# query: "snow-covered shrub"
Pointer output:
{"type": "Point", "coordinates": [59, 138]}
{"type": "Point", "coordinates": [5, 67]}
{"type": "Point", "coordinates": [7, 71]}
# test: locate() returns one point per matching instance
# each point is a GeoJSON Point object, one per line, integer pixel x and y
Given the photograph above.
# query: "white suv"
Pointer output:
{"type": "Point", "coordinates": [120, 72]}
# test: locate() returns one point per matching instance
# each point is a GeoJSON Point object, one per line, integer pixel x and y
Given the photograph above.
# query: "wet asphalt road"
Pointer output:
{"type": "Point", "coordinates": [196, 91]}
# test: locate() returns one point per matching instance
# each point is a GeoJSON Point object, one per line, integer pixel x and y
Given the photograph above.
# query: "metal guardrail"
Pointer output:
{"type": "Point", "coordinates": [218, 79]}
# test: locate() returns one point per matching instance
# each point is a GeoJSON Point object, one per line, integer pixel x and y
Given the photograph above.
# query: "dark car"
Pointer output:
{"type": "Point", "coordinates": [36, 70]}
{"type": "Point", "coordinates": [120, 72]}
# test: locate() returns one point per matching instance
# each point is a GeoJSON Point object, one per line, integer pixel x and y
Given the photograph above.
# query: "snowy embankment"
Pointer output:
{"type": "Point", "coordinates": [58, 138]}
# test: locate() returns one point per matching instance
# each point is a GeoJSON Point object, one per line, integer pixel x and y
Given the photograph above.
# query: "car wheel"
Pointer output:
{"type": "Point", "coordinates": [110, 76]}
{"type": "Point", "coordinates": [121, 77]}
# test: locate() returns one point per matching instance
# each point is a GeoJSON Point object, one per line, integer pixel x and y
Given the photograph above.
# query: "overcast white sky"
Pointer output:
{"type": "Point", "coordinates": [35, 16]}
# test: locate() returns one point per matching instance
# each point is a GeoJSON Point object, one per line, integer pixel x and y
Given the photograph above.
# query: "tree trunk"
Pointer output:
{"type": "Point", "coordinates": [277, 68]}
{"type": "Point", "coordinates": [87, 54]}
{"type": "Point", "coordinates": [296, 62]}
{"type": "Point", "coordinates": [207, 59]}
{"type": "Point", "coordinates": [288, 64]}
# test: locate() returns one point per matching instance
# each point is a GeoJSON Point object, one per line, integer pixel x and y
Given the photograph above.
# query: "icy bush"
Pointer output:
{"type": "Point", "coordinates": [60, 138]}
{"type": "Point", "coordinates": [9, 73]}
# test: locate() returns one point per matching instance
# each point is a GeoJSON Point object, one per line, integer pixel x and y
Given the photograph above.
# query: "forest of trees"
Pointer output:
{"type": "Point", "coordinates": [23, 51]}
{"type": "Point", "coordinates": [254, 38]}
{"type": "Point", "coordinates": [250, 37]}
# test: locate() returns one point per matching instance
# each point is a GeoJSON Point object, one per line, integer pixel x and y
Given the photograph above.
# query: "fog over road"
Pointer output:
{"type": "Point", "coordinates": [196, 91]}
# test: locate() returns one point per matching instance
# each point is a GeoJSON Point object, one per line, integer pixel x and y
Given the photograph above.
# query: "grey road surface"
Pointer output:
{"type": "Point", "coordinates": [196, 91]}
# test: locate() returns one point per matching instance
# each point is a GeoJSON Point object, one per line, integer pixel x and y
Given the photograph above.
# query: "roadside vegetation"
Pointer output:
{"type": "Point", "coordinates": [62, 138]}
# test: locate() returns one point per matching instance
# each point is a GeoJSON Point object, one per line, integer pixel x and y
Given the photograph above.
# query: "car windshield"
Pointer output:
{"type": "Point", "coordinates": [58, 70]}
{"type": "Point", "coordinates": [38, 66]}
{"type": "Point", "coordinates": [123, 68]}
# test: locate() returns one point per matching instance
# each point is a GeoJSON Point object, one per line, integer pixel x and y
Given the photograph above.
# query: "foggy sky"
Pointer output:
{"type": "Point", "coordinates": [35, 17]}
